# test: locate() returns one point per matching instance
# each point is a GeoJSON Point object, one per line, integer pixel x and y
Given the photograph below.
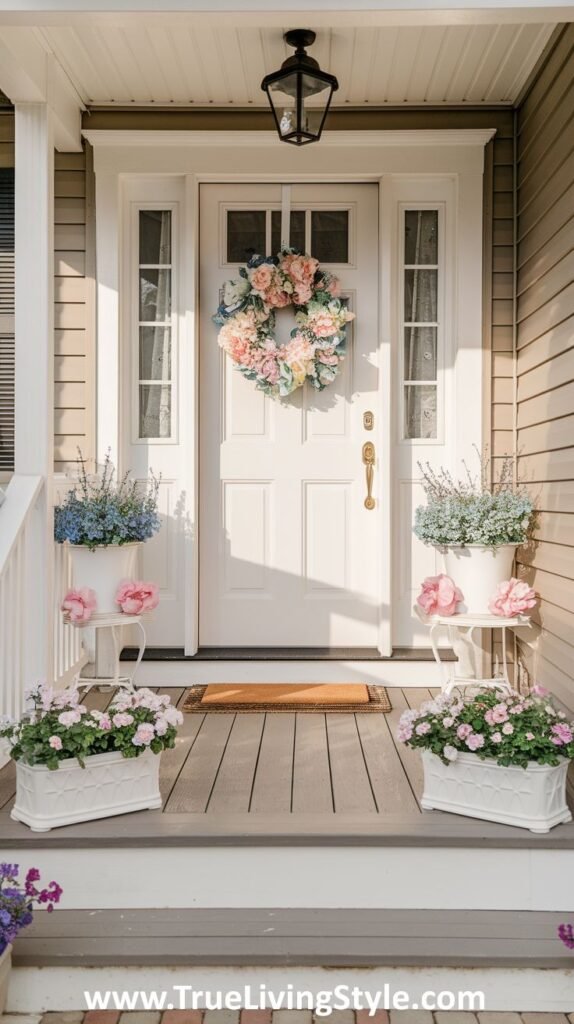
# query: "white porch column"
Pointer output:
{"type": "Point", "coordinates": [34, 394]}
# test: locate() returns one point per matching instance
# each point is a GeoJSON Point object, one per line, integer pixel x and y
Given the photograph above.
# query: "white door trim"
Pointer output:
{"type": "Point", "coordinates": [123, 155]}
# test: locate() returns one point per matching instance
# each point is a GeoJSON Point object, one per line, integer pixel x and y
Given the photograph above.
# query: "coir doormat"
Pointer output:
{"type": "Point", "coordinates": [340, 698]}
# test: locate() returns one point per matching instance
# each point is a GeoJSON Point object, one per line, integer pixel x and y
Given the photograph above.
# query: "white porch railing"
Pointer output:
{"type": "Point", "coordinates": [22, 519]}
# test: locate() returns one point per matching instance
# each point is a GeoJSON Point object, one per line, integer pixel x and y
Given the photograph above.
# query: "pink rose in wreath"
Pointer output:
{"type": "Point", "coordinates": [136, 597]}
{"type": "Point", "coordinates": [439, 595]}
{"type": "Point", "coordinates": [78, 605]}
{"type": "Point", "coordinates": [513, 597]}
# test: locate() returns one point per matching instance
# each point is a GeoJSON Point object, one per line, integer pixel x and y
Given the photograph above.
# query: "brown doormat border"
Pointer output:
{"type": "Point", "coordinates": [379, 703]}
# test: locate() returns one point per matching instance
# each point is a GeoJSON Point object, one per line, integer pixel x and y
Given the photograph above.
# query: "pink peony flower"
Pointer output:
{"type": "Point", "coordinates": [55, 742]}
{"type": "Point", "coordinates": [513, 597]}
{"type": "Point", "coordinates": [136, 597]}
{"type": "Point", "coordinates": [78, 605]}
{"type": "Point", "coordinates": [439, 595]}
{"type": "Point", "coordinates": [475, 741]}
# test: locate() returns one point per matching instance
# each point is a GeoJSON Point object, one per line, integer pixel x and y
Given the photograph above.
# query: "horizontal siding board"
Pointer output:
{"type": "Point", "coordinates": [502, 259]}
{"type": "Point", "coordinates": [69, 289]}
{"type": "Point", "coordinates": [552, 374]}
{"type": "Point", "coordinates": [557, 590]}
{"type": "Point", "coordinates": [545, 127]}
{"type": "Point", "coordinates": [549, 285]}
{"type": "Point", "coordinates": [502, 338]}
{"type": "Point", "coordinates": [560, 56]}
{"type": "Point", "coordinates": [69, 421]}
{"type": "Point", "coordinates": [547, 436]}
{"type": "Point", "coordinates": [70, 368]}
{"type": "Point", "coordinates": [546, 466]}
{"type": "Point", "coordinates": [549, 194]}
{"type": "Point", "coordinates": [70, 343]}
{"type": "Point", "coordinates": [553, 558]}
{"type": "Point", "coordinates": [502, 417]}
{"type": "Point", "coordinates": [70, 315]}
{"type": "Point", "coordinates": [70, 236]}
{"type": "Point", "coordinates": [555, 528]}
{"type": "Point", "coordinates": [70, 183]}
{"type": "Point", "coordinates": [547, 257]}
{"type": "Point", "coordinates": [503, 152]}
{"type": "Point", "coordinates": [69, 210]}
{"type": "Point", "coordinates": [502, 286]}
{"type": "Point", "coordinates": [549, 406]}
{"type": "Point", "coordinates": [70, 395]}
{"type": "Point", "coordinates": [502, 391]}
{"type": "Point", "coordinates": [549, 315]}
{"type": "Point", "coordinates": [502, 442]}
{"type": "Point", "coordinates": [546, 347]}
{"type": "Point", "coordinates": [66, 447]}
{"type": "Point", "coordinates": [503, 232]}
{"type": "Point", "coordinates": [502, 364]}
{"type": "Point", "coordinates": [537, 180]}
{"type": "Point", "coordinates": [556, 620]}
{"type": "Point", "coordinates": [502, 312]}
{"type": "Point", "coordinates": [547, 227]}
{"type": "Point", "coordinates": [70, 264]}
{"type": "Point", "coordinates": [554, 497]}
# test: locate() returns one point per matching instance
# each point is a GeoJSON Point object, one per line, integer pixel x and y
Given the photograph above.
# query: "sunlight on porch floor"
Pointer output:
{"type": "Point", "coordinates": [328, 777]}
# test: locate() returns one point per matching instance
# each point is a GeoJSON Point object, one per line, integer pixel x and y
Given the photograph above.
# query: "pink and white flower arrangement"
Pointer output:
{"type": "Point", "coordinates": [513, 597]}
{"type": "Point", "coordinates": [79, 605]}
{"type": "Point", "coordinates": [439, 595]}
{"type": "Point", "coordinates": [136, 597]}
{"type": "Point", "coordinates": [57, 727]}
{"type": "Point", "coordinates": [246, 318]}
{"type": "Point", "coordinates": [511, 728]}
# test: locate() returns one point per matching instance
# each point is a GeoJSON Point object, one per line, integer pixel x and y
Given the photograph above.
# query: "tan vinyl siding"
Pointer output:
{"type": "Point", "coordinates": [74, 308]}
{"type": "Point", "coordinates": [545, 348]}
{"type": "Point", "coordinates": [499, 279]}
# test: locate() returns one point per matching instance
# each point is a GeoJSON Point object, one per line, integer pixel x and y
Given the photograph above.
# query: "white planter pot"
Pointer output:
{"type": "Point", "coordinates": [477, 571]}
{"type": "Point", "coordinates": [532, 797]}
{"type": "Point", "coordinates": [102, 570]}
{"type": "Point", "coordinates": [109, 784]}
{"type": "Point", "coordinates": [5, 968]}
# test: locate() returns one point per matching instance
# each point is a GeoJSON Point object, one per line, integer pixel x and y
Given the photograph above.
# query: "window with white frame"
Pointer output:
{"type": "Point", "coordinates": [155, 343]}
{"type": "Point", "coordinates": [420, 321]}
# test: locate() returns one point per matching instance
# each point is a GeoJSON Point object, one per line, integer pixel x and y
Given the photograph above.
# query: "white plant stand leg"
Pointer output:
{"type": "Point", "coordinates": [462, 630]}
{"type": "Point", "coordinates": [115, 624]}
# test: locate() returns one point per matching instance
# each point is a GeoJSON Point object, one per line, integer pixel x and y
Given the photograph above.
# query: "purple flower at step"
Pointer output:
{"type": "Point", "coordinates": [566, 933]}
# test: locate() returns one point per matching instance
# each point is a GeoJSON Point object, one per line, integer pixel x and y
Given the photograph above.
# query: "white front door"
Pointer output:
{"type": "Point", "coordinates": [289, 554]}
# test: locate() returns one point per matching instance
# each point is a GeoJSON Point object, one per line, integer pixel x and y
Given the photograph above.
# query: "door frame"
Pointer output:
{"type": "Point", "coordinates": [121, 155]}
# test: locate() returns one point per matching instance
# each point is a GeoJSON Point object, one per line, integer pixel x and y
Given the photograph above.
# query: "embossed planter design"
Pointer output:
{"type": "Point", "coordinates": [533, 798]}
{"type": "Point", "coordinates": [109, 784]}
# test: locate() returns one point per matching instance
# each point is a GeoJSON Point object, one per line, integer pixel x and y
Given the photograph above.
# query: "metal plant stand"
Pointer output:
{"type": "Point", "coordinates": [114, 623]}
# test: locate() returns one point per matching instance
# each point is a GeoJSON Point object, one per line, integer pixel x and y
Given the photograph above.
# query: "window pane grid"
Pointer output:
{"type": "Point", "coordinates": [155, 331]}
{"type": "Point", "coordinates": [420, 324]}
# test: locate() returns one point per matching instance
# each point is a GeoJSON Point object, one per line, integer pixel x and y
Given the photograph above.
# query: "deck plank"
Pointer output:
{"type": "Point", "coordinates": [410, 759]}
{"type": "Point", "coordinates": [389, 781]}
{"type": "Point", "coordinates": [280, 936]}
{"type": "Point", "coordinates": [172, 761]}
{"type": "Point", "coordinates": [350, 779]}
{"type": "Point", "coordinates": [312, 789]}
{"type": "Point", "coordinates": [234, 781]}
{"type": "Point", "coordinates": [272, 788]}
{"type": "Point", "coordinates": [7, 783]}
{"type": "Point", "coordinates": [195, 782]}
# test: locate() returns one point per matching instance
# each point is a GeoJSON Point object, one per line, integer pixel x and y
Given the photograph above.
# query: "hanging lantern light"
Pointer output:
{"type": "Point", "coordinates": [299, 93]}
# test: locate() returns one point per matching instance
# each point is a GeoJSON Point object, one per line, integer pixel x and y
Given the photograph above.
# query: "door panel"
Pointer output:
{"type": "Point", "coordinates": [289, 555]}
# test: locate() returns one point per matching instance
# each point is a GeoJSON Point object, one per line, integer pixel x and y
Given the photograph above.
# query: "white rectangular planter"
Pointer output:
{"type": "Point", "coordinates": [533, 797]}
{"type": "Point", "coordinates": [109, 784]}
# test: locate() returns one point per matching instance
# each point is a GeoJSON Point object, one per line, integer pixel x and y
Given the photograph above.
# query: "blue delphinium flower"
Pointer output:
{"type": "Point", "coordinates": [101, 511]}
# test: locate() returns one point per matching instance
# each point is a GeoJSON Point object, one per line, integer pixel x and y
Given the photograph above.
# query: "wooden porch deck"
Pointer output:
{"type": "Point", "coordinates": [284, 779]}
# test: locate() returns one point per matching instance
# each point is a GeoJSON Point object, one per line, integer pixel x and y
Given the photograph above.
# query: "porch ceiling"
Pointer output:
{"type": "Point", "coordinates": [219, 60]}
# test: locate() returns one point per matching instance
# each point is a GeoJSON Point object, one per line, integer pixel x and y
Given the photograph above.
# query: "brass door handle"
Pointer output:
{"type": "Point", "coordinates": [369, 462]}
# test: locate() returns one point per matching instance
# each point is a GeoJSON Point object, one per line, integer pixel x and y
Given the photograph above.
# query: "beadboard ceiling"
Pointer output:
{"type": "Point", "coordinates": [150, 60]}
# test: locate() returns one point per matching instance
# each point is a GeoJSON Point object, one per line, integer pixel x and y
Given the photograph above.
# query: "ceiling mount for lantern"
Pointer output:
{"type": "Point", "coordinates": [299, 93]}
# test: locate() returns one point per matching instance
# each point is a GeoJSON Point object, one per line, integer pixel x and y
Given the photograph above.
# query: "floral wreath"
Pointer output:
{"type": "Point", "coordinates": [246, 317]}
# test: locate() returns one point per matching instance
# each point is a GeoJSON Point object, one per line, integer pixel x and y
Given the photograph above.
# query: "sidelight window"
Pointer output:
{"type": "Point", "coordinates": [420, 324]}
{"type": "Point", "coordinates": [155, 325]}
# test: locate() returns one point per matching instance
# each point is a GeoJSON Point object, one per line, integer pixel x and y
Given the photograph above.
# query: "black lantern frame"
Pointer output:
{"type": "Point", "coordinates": [303, 78]}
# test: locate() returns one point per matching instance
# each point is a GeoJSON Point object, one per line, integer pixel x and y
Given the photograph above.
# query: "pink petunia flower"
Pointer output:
{"type": "Point", "coordinates": [144, 735]}
{"type": "Point", "coordinates": [79, 605]}
{"type": "Point", "coordinates": [496, 737]}
{"type": "Point", "coordinates": [136, 597]}
{"type": "Point", "coordinates": [508, 728]}
{"type": "Point", "coordinates": [55, 742]}
{"type": "Point", "coordinates": [464, 731]}
{"type": "Point", "coordinates": [439, 595]}
{"type": "Point", "coordinates": [475, 741]}
{"type": "Point", "coordinates": [513, 597]}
